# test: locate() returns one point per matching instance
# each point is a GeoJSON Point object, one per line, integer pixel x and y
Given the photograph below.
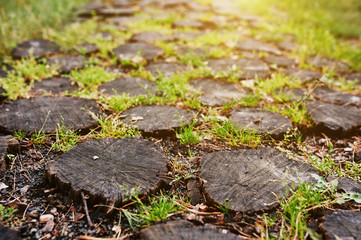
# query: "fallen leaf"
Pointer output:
{"type": "Point", "coordinates": [3, 186]}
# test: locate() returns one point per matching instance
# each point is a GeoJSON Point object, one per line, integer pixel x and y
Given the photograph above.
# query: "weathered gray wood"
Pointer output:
{"type": "Point", "coordinates": [334, 118]}
{"type": "Point", "coordinates": [8, 144]}
{"type": "Point", "coordinates": [107, 169]}
{"type": "Point", "coordinates": [181, 230]}
{"type": "Point", "coordinates": [249, 178]}
{"type": "Point", "coordinates": [217, 93]}
{"type": "Point", "coordinates": [353, 77]}
{"type": "Point", "coordinates": [287, 46]}
{"type": "Point", "coordinates": [280, 61]}
{"type": "Point", "coordinates": [262, 121]}
{"type": "Point", "coordinates": [289, 94]}
{"type": "Point", "coordinates": [7, 234]}
{"type": "Point", "coordinates": [337, 97]}
{"type": "Point", "coordinates": [342, 225]}
{"type": "Point", "coordinates": [303, 75]}
{"type": "Point", "coordinates": [46, 113]}
{"type": "Point", "coordinates": [189, 23]}
{"type": "Point", "coordinates": [35, 48]}
{"type": "Point", "coordinates": [166, 69]}
{"type": "Point", "coordinates": [248, 69]}
{"type": "Point", "coordinates": [328, 63]}
{"type": "Point", "coordinates": [132, 50]}
{"type": "Point", "coordinates": [129, 85]}
{"type": "Point", "coordinates": [67, 64]}
{"type": "Point", "coordinates": [87, 48]}
{"type": "Point", "coordinates": [255, 45]}
{"type": "Point", "coordinates": [157, 119]}
{"type": "Point", "coordinates": [149, 37]}
{"type": "Point", "coordinates": [2, 94]}
{"type": "Point", "coordinates": [112, 12]}
{"type": "Point", "coordinates": [54, 86]}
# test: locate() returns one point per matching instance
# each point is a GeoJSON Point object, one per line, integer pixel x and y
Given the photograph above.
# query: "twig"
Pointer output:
{"type": "Point", "coordinates": [95, 238]}
{"type": "Point", "coordinates": [86, 210]}
{"type": "Point", "coordinates": [196, 212]}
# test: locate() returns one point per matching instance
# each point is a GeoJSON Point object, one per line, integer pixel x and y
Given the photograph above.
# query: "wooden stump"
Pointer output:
{"type": "Point", "coordinates": [157, 120]}
{"type": "Point", "coordinates": [254, 45]}
{"type": "Point", "coordinates": [109, 169]}
{"type": "Point", "coordinates": [342, 225]}
{"type": "Point", "coordinates": [335, 119]}
{"type": "Point", "coordinates": [67, 64]}
{"type": "Point", "coordinates": [182, 229]}
{"type": "Point", "coordinates": [34, 48]}
{"type": "Point", "coordinates": [132, 50]}
{"type": "Point", "coordinates": [8, 144]}
{"type": "Point", "coordinates": [53, 86]}
{"type": "Point", "coordinates": [280, 61]}
{"type": "Point", "coordinates": [336, 97]}
{"type": "Point", "coordinates": [249, 178]}
{"type": "Point", "coordinates": [247, 69]}
{"type": "Point", "coordinates": [7, 234]}
{"type": "Point", "coordinates": [262, 121]}
{"type": "Point", "coordinates": [87, 48]}
{"type": "Point", "coordinates": [217, 93]}
{"type": "Point", "coordinates": [166, 69]}
{"type": "Point", "coordinates": [149, 37]}
{"type": "Point", "coordinates": [129, 85]}
{"type": "Point", "coordinates": [303, 75]}
{"type": "Point", "coordinates": [46, 113]}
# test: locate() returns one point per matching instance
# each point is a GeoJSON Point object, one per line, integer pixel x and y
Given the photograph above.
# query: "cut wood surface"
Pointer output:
{"type": "Point", "coordinates": [217, 93]}
{"type": "Point", "coordinates": [46, 113]}
{"type": "Point", "coordinates": [334, 118]}
{"type": "Point", "coordinates": [132, 50]}
{"type": "Point", "coordinates": [8, 144]}
{"type": "Point", "coordinates": [181, 229]}
{"type": "Point", "coordinates": [249, 179]}
{"type": "Point", "coordinates": [129, 85]}
{"type": "Point", "coordinates": [53, 86]}
{"type": "Point", "coordinates": [152, 119]}
{"type": "Point", "coordinates": [108, 169]}
{"type": "Point", "coordinates": [342, 225]}
{"type": "Point", "coordinates": [262, 121]}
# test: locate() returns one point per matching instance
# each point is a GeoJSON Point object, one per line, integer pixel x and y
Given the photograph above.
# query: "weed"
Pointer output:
{"type": "Point", "coordinates": [120, 103]}
{"type": "Point", "coordinates": [65, 139]}
{"type": "Point", "coordinates": [15, 86]}
{"type": "Point", "coordinates": [39, 137]}
{"type": "Point", "coordinates": [277, 81]}
{"type": "Point", "coordinates": [92, 76]}
{"type": "Point", "coordinates": [112, 127]}
{"type": "Point", "coordinates": [7, 216]}
{"type": "Point", "coordinates": [233, 135]}
{"type": "Point", "coordinates": [19, 135]}
{"type": "Point", "coordinates": [22, 20]}
{"type": "Point", "coordinates": [29, 69]}
{"type": "Point", "coordinates": [225, 207]}
{"type": "Point", "coordinates": [159, 208]}
{"type": "Point", "coordinates": [188, 135]}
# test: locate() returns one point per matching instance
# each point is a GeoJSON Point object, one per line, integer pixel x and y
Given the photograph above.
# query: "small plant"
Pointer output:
{"type": "Point", "coordinates": [158, 209]}
{"type": "Point", "coordinates": [189, 135]}
{"type": "Point", "coordinates": [233, 135]}
{"type": "Point", "coordinates": [225, 207]}
{"type": "Point", "coordinates": [92, 76]}
{"type": "Point", "coordinates": [19, 135]}
{"type": "Point", "coordinates": [112, 127]}
{"type": "Point", "coordinates": [14, 85]}
{"type": "Point", "coordinates": [29, 69]}
{"type": "Point", "coordinates": [7, 216]}
{"type": "Point", "coordinates": [65, 139]}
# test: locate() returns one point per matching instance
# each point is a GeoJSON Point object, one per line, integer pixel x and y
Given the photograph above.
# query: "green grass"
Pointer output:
{"type": "Point", "coordinates": [25, 19]}
{"type": "Point", "coordinates": [320, 26]}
